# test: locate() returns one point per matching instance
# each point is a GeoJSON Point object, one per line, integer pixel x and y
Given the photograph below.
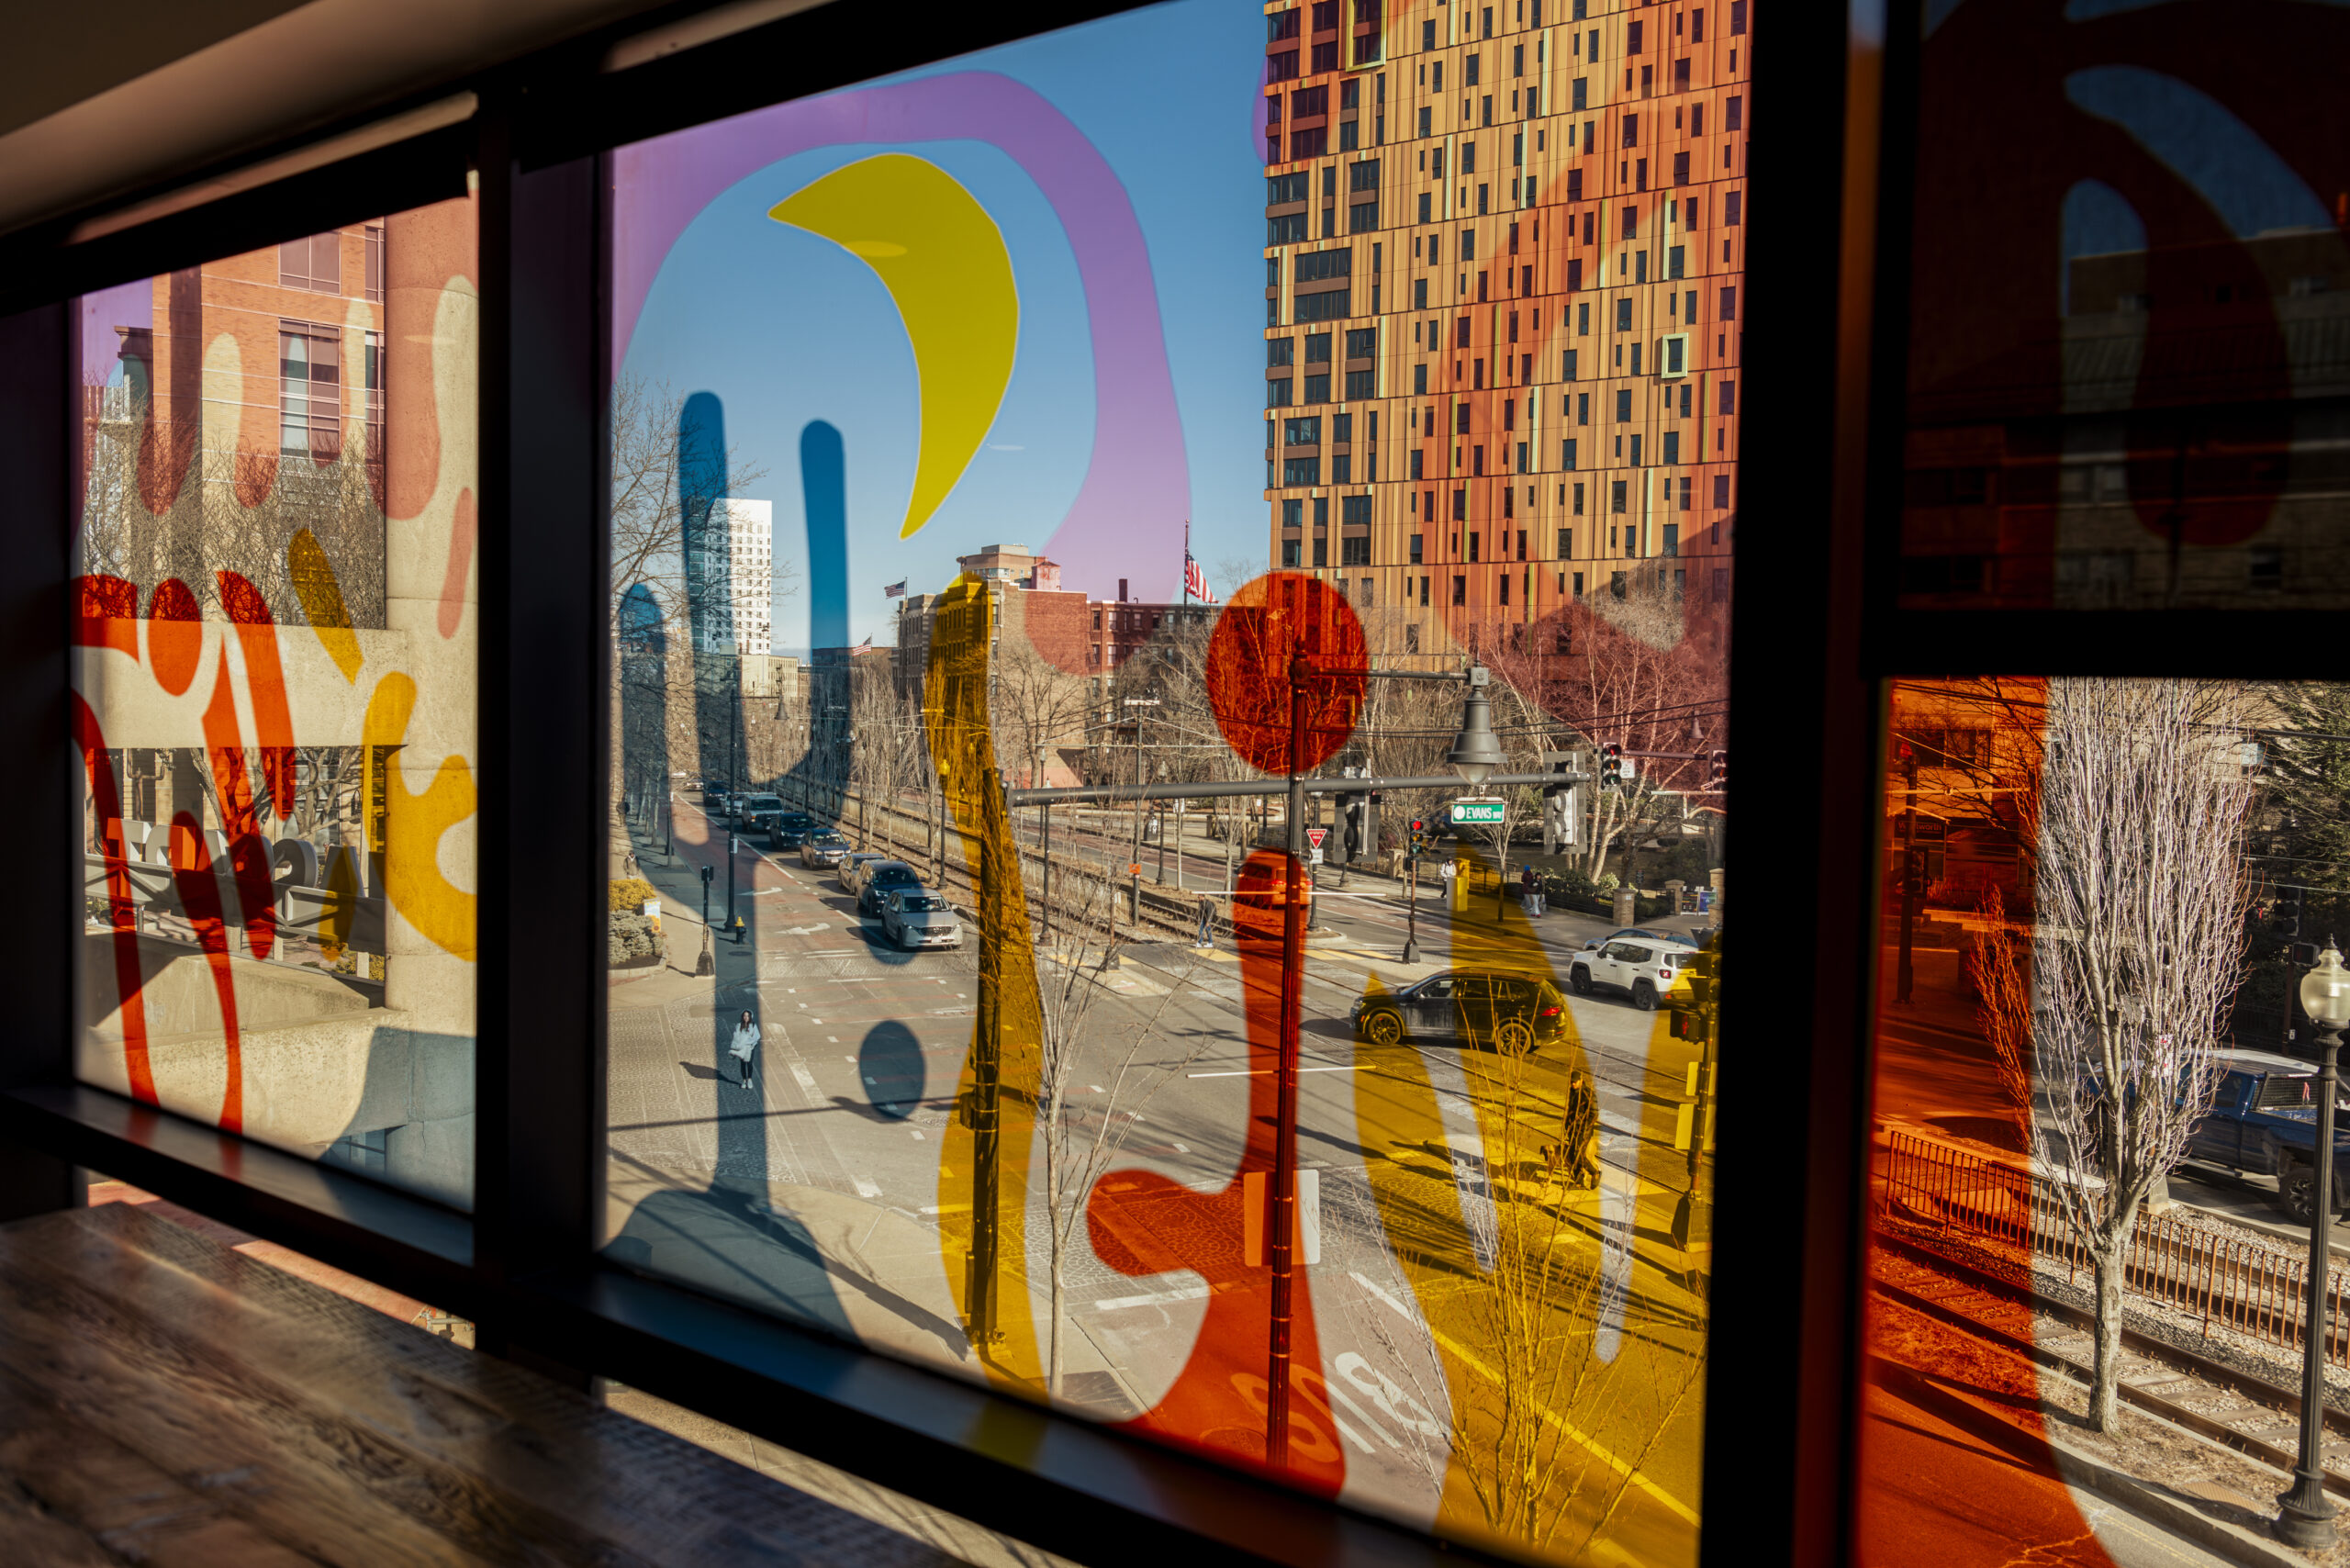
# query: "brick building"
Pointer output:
{"type": "Point", "coordinates": [1503, 258]}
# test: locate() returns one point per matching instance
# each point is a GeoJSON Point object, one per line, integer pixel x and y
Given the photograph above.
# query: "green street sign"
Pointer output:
{"type": "Point", "coordinates": [1478, 810]}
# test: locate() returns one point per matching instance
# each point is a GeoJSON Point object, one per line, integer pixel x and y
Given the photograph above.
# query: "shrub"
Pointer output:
{"type": "Point", "coordinates": [629, 893]}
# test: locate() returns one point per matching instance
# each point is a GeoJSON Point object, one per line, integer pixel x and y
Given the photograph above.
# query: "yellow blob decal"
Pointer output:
{"type": "Point", "coordinates": [321, 596]}
{"type": "Point", "coordinates": [942, 259]}
{"type": "Point", "coordinates": [413, 824]}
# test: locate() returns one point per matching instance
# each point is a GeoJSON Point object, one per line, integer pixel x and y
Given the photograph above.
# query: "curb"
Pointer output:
{"type": "Point", "coordinates": [2156, 1504]}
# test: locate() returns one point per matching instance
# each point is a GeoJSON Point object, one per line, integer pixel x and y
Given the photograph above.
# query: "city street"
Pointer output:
{"type": "Point", "coordinates": [817, 1192]}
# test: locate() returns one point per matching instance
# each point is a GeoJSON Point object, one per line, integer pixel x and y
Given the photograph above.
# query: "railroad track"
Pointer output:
{"type": "Point", "coordinates": [2255, 1417]}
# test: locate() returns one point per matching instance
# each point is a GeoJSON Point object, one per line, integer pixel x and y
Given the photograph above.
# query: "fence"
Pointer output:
{"type": "Point", "coordinates": [2250, 1287]}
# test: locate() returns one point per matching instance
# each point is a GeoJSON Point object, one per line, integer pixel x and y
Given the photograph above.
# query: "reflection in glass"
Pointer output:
{"type": "Point", "coordinates": [275, 694]}
{"type": "Point", "coordinates": [2125, 374]}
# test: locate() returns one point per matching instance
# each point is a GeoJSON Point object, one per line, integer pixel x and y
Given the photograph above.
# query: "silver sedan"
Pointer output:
{"type": "Point", "coordinates": [916, 917]}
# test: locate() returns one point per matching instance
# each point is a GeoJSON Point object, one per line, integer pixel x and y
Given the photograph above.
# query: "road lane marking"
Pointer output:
{"type": "Point", "coordinates": [1261, 1072]}
{"type": "Point", "coordinates": [866, 1189]}
{"type": "Point", "coordinates": [1152, 1298]}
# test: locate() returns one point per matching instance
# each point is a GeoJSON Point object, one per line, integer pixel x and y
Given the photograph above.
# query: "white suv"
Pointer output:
{"type": "Point", "coordinates": [1641, 967]}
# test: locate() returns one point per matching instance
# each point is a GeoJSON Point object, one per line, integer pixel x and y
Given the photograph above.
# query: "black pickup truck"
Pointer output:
{"type": "Point", "coordinates": [2264, 1123]}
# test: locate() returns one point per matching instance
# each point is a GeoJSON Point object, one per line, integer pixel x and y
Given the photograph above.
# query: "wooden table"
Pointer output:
{"type": "Point", "coordinates": [165, 1400]}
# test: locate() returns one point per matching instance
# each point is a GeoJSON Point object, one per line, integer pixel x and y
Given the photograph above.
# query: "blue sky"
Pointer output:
{"type": "Point", "coordinates": [786, 326]}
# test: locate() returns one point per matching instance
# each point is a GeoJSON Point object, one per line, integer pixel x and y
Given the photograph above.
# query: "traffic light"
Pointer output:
{"type": "Point", "coordinates": [2285, 919]}
{"type": "Point", "coordinates": [1611, 765]}
{"type": "Point", "coordinates": [1353, 811]}
{"type": "Point", "coordinates": [1720, 775]}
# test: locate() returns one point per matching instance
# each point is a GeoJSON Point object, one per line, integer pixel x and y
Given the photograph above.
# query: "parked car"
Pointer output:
{"type": "Point", "coordinates": [788, 828]}
{"type": "Point", "coordinates": [883, 877]}
{"type": "Point", "coordinates": [2264, 1122]}
{"type": "Point", "coordinates": [1643, 969]}
{"type": "Point", "coordinates": [823, 847]}
{"type": "Point", "coordinates": [753, 812]}
{"type": "Point", "coordinates": [916, 917]}
{"type": "Point", "coordinates": [1515, 1013]}
{"type": "Point", "coordinates": [853, 863]}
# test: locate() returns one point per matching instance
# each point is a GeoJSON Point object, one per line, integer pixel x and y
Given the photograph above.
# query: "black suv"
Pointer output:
{"type": "Point", "coordinates": [881, 878]}
{"type": "Point", "coordinates": [788, 828]}
{"type": "Point", "coordinates": [1516, 1012]}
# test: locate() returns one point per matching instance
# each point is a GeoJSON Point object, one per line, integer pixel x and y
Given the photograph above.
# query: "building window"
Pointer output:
{"type": "Point", "coordinates": [1301, 471]}
{"type": "Point", "coordinates": [1279, 351]}
{"type": "Point", "coordinates": [1277, 392]}
{"type": "Point", "coordinates": [1623, 404]}
{"type": "Point", "coordinates": [1461, 506]}
{"type": "Point", "coordinates": [1460, 589]}
{"type": "Point", "coordinates": [1729, 398]}
{"type": "Point", "coordinates": [1577, 513]}
{"type": "Point", "coordinates": [309, 404]}
{"type": "Point", "coordinates": [1321, 550]}
{"type": "Point", "coordinates": [1616, 495]}
{"type": "Point", "coordinates": [1289, 548]}
{"type": "Point", "coordinates": [1673, 538]}
{"type": "Point", "coordinates": [1354, 551]}
{"type": "Point", "coordinates": [314, 263]}
{"type": "Point", "coordinates": [374, 243]}
{"type": "Point", "coordinates": [1415, 550]}
{"type": "Point", "coordinates": [1721, 491]}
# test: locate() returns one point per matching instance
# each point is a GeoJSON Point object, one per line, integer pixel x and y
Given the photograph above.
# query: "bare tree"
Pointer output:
{"type": "Point", "coordinates": [2106, 1017]}
{"type": "Point", "coordinates": [1516, 1364]}
{"type": "Point", "coordinates": [1084, 1125]}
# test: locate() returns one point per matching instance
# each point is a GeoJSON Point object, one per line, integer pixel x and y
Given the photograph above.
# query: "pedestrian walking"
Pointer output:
{"type": "Point", "coordinates": [1206, 937]}
{"type": "Point", "coordinates": [1582, 1132]}
{"type": "Point", "coordinates": [747, 1043]}
{"type": "Point", "coordinates": [1529, 895]}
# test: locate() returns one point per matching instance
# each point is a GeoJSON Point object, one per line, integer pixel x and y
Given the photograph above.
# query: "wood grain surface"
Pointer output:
{"type": "Point", "coordinates": [167, 1401]}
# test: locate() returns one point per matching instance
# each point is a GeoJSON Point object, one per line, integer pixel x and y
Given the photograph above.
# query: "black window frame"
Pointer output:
{"type": "Point", "coordinates": [522, 1265]}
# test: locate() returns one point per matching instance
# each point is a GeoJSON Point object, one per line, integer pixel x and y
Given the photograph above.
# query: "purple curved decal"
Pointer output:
{"type": "Point", "coordinates": [1137, 475]}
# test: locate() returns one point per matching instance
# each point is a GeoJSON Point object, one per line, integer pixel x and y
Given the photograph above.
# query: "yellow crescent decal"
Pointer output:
{"type": "Point", "coordinates": [943, 261]}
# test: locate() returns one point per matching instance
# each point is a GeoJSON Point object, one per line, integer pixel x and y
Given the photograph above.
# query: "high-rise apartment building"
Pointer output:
{"type": "Point", "coordinates": [1504, 253]}
{"type": "Point", "coordinates": [741, 586]}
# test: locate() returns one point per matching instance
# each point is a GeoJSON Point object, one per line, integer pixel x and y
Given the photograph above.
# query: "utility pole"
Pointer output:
{"type": "Point", "coordinates": [1909, 870]}
{"type": "Point", "coordinates": [1280, 1222]}
{"type": "Point", "coordinates": [987, 1066]}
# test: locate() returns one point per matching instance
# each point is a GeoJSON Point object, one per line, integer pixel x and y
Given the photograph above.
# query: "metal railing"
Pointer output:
{"type": "Point", "coordinates": [2250, 1287]}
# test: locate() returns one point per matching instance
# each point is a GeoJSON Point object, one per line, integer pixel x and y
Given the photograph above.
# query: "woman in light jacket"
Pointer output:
{"type": "Point", "coordinates": [746, 1042]}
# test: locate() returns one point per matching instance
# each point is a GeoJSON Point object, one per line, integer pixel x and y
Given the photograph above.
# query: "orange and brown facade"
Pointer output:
{"type": "Point", "coordinates": [1504, 289]}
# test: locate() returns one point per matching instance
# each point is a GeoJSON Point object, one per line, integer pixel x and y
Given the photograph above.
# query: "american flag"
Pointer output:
{"type": "Point", "coordinates": [895, 591]}
{"type": "Point", "coordinates": [1195, 580]}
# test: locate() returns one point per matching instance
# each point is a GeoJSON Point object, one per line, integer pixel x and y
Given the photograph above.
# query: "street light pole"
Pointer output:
{"type": "Point", "coordinates": [2304, 1516]}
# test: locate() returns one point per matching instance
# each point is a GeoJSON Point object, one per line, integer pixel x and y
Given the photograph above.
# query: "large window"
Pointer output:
{"type": "Point", "coordinates": [274, 692]}
{"type": "Point", "coordinates": [867, 1071]}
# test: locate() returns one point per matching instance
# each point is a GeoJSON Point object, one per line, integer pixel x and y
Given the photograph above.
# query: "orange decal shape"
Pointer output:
{"type": "Point", "coordinates": [1141, 1222]}
{"type": "Point", "coordinates": [200, 893]}
{"type": "Point", "coordinates": [461, 555]}
{"type": "Point", "coordinates": [107, 614]}
{"type": "Point", "coordinates": [239, 821]}
{"type": "Point", "coordinates": [106, 795]}
{"type": "Point", "coordinates": [175, 636]}
{"type": "Point", "coordinates": [265, 686]}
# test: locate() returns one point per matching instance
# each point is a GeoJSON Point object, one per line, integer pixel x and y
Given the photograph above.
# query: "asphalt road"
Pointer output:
{"type": "Point", "coordinates": [817, 1193]}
